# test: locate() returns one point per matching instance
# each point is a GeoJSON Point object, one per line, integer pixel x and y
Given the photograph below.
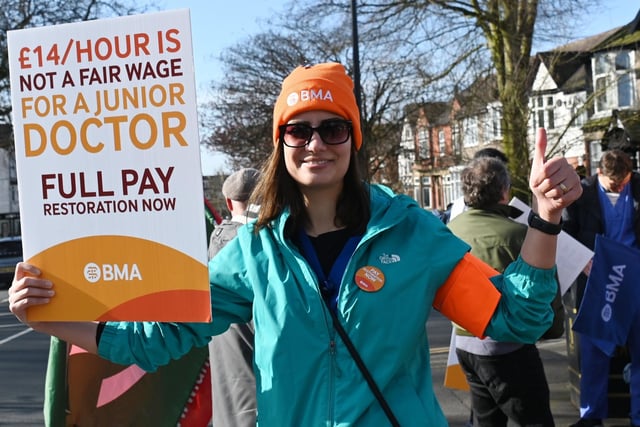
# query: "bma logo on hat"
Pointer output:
{"type": "Point", "coordinates": [309, 95]}
{"type": "Point", "coordinates": [292, 99]}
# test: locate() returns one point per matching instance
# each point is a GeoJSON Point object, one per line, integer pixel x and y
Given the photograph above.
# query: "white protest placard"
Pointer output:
{"type": "Point", "coordinates": [571, 255]}
{"type": "Point", "coordinates": [108, 164]}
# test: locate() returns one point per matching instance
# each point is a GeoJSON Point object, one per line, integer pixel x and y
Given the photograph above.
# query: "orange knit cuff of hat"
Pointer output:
{"type": "Point", "coordinates": [325, 87]}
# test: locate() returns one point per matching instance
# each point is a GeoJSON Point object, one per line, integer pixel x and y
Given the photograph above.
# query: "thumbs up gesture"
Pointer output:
{"type": "Point", "coordinates": [554, 182]}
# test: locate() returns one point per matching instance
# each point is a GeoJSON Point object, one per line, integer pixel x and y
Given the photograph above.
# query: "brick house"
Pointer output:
{"type": "Point", "coordinates": [427, 152]}
{"type": "Point", "coordinates": [585, 93]}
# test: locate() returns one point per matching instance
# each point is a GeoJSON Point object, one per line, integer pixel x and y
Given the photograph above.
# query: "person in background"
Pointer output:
{"type": "Point", "coordinates": [507, 379]}
{"type": "Point", "coordinates": [233, 382]}
{"type": "Point", "coordinates": [458, 206]}
{"type": "Point", "coordinates": [332, 272]}
{"type": "Point", "coordinates": [236, 189]}
{"type": "Point", "coordinates": [609, 206]}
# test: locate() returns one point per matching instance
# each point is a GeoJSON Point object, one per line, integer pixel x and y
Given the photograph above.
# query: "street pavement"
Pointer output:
{"type": "Point", "coordinates": [23, 356]}
{"type": "Point", "coordinates": [23, 361]}
{"type": "Point", "coordinates": [456, 403]}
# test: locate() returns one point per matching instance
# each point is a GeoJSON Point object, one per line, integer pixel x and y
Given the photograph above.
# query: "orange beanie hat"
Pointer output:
{"type": "Point", "coordinates": [324, 87]}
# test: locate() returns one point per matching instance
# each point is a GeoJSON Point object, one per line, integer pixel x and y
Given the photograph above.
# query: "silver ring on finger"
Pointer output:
{"type": "Point", "coordinates": [563, 187]}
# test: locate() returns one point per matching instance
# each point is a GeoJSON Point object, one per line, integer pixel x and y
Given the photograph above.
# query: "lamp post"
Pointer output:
{"type": "Point", "coordinates": [362, 154]}
{"type": "Point", "coordinates": [356, 52]}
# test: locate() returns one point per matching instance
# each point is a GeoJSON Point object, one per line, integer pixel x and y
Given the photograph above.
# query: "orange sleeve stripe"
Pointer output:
{"type": "Point", "coordinates": [468, 297]}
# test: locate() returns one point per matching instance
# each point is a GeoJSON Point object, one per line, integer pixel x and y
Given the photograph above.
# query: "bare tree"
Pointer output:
{"type": "Point", "coordinates": [21, 14]}
{"type": "Point", "coordinates": [460, 41]}
{"type": "Point", "coordinates": [238, 120]}
{"type": "Point", "coordinates": [411, 51]}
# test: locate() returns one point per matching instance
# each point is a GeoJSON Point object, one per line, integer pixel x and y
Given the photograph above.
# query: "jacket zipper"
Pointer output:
{"type": "Point", "coordinates": [332, 376]}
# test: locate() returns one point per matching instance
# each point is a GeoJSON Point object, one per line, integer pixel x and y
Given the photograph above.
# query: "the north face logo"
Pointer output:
{"type": "Point", "coordinates": [309, 95]}
{"type": "Point", "coordinates": [389, 258]}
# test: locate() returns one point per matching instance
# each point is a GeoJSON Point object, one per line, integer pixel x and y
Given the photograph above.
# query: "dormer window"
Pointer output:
{"type": "Point", "coordinates": [614, 83]}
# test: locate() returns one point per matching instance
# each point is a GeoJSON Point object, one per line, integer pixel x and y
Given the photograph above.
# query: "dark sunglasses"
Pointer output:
{"type": "Point", "coordinates": [332, 132]}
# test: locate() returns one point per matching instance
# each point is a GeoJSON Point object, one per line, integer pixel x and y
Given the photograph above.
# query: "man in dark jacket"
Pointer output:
{"type": "Point", "coordinates": [608, 206]}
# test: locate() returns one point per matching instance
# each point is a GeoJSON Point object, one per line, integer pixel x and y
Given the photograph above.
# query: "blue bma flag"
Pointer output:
{"type": "Point", "coordinates": [612, 293]}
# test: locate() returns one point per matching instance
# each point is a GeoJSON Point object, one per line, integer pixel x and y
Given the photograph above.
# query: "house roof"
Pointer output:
{"type": "Point", "coordinates": [568, 64]}
{"type": "Point", "coordinates": [474, 99]}
{"type": "Point", "coordinates": [610, 39]}
{"type": "Point", "coordinates": [588, 44]}
{"type": "Point", "coordinates": [436, 113]}
{"type": "Point", "coordinates": [567, 68]}
{"type": "Point", "coordinates": [624, 36]}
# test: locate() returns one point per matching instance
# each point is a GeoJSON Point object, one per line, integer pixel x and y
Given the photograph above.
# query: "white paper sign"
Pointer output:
{"type": "Point", "coordinates": [571, 255]}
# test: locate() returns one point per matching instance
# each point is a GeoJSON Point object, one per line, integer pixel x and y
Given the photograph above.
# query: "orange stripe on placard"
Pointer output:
{"type": "Point", "coordinates": [176, 306]}
{"type": "Point", "coordinates": [95, 275]}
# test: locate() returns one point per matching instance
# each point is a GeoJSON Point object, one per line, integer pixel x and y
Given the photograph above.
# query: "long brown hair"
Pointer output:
{"type": "Point", "coordinates": [277, 190]}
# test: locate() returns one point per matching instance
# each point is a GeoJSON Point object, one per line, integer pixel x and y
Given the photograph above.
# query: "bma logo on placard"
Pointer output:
{"type": "Point", "coordinates": [93, 272]}
{"type": "Point", "coordinates": [616, 279]}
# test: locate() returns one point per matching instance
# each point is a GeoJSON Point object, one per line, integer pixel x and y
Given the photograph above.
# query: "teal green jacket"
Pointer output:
{"type": "Point", "coordinates": [304, 374]}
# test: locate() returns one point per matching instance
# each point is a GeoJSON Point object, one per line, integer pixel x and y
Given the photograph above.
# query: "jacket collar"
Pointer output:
{"type": "Point", "coordinates": [507, 211]}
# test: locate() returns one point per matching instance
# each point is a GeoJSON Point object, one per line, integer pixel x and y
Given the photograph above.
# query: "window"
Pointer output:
{"type": "Point", "coordinates": [407, 142]}
{"type": "Point", "coordinates": [448, 190]}
{"type": "Point", "coordinates": [404, 167]}
{"type": "Point", "coordinates": [423, 143]}
{"type": "Point", "coordinates": [551, 118]}
{"type": "Point", "coordinates": [454, 178]}
{"type": "Point", "coordinates": [496, 123]}
{"type": "Point", "coordinates": [426, 192]}
{"type": "Point", "coordinates": [602, 101]}
{"type": "Point", "coordinates": [407, 133]}
{"type": "Point", "coordinates": [470, 132]}
{"type": "Point", "coordinates": [442, 142]}
{"type": "Point", "coordinates": [543, 110]}
{"type": "Point", "coordinates": [625, 95]}
{"type": "Point", "coordinates": [578, 111]}
{"type": "Point", "coordinates": [455, 139]}
{"type": "Point", "coordinates": [614, 80]}
{"type": "Point", "coordinates": [579, 114]}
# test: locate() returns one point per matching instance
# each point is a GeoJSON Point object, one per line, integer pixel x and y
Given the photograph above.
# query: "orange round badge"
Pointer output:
{"type": "Point", "coordinates": [369, 279]}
